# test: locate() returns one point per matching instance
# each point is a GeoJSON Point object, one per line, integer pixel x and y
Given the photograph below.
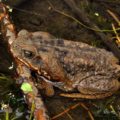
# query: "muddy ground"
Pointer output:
{"type": "Point", "coordinates": [38, 15]}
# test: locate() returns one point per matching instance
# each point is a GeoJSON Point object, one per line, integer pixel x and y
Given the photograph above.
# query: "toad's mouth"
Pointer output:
{"type": "Point", "coordinates": [24, 62]}
{"type": "Point", "coordinates": [40, 73]}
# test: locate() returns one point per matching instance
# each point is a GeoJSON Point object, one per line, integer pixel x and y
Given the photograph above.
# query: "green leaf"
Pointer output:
{"type": "Point", "coordinates": [26, 87]}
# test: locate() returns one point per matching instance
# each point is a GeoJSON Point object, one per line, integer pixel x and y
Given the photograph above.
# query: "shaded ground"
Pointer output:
{"type": "Point", "coordinates": [37, 15]}
{"type": "Point", "coordinates": [42, 18]}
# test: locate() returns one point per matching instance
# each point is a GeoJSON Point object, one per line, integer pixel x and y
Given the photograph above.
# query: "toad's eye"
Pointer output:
{"type": "Point", "coordinates": [28, 54]}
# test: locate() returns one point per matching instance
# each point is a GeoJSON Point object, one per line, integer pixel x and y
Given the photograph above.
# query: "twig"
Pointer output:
{"type": "Point", "coordinates": [66, 111]}
{"type": "Point", "coordinates": [73, 107]}
{"type": "Point", "coordinates": [114, 16]}
{"type": "Point", "coordinates": [89, 113]}
{"type": "Point", "coordinates": [116, 34]}
{"type": "Point", "coordinates": [68, 114]}
{"type": "Point", "coordinates": [35, 102]}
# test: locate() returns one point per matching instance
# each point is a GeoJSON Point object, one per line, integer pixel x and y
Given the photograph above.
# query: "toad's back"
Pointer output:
{"type": "Point", "coordinates": [79, 60]}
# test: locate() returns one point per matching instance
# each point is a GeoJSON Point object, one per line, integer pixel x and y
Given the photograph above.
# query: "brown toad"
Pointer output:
{"type": "Point", "coordinates": [64, 64]}
{"type": "Point", "coordinates": [68, 65]}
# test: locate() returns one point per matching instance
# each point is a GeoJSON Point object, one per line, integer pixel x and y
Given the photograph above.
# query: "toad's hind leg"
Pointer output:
{"type": "Point", "coordinates": [87, 96]}
{"type": "Point", "coordinates": [94, 95]}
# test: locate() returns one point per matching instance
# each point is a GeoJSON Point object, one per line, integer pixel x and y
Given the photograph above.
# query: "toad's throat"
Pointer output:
{"type": "Point", "coordinates": [42, 74]}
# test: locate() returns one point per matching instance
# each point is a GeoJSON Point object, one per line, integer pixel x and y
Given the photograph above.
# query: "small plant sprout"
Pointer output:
{"type": "Point", "coordinates": [26, 87]}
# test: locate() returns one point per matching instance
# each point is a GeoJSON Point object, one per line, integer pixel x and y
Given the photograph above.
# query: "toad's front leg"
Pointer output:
{"type": "Point", "coordinates": [31, 93]}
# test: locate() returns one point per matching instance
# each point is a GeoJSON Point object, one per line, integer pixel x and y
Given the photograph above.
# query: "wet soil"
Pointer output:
{"type": "Point", "coordinates": [38, 15]}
